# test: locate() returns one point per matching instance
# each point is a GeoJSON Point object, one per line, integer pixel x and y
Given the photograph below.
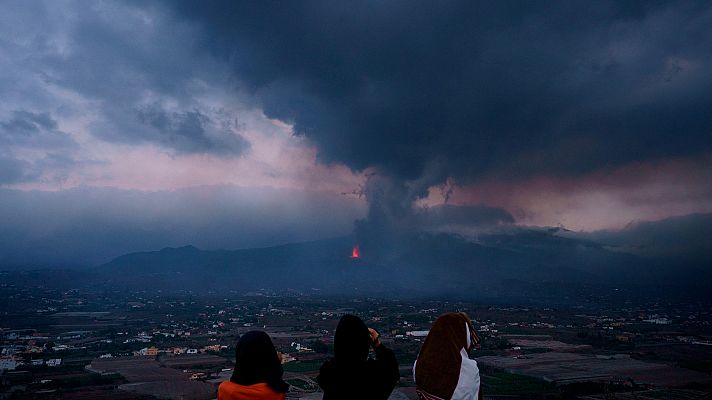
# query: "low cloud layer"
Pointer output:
{"type": "Point", "coordinates": [683, 240]}
{"type": "Point", "coordinates": [86, 226]}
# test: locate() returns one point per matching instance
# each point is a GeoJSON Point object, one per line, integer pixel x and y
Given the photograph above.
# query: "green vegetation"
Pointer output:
{"type": "Point", "coordinates": [504, 383]}
{"type": "Point", "coordinates": [501, 383]}
{"type": "Point", "coordinates": [320, 347]}
{"type": "Point", "coordinates": [536, 350]}
{"type": "Point", "coordinates": [86, 379]}
{"type": "Point", "coordinates": [495, 344]}
{"type": "Point", "coordinates": [697, 365]}
{"type": "Point", "coordinates": [302, 384]}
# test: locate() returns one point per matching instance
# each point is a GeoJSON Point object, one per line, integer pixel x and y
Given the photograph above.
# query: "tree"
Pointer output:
{"type": "Point", "coordinates": [319, 346]}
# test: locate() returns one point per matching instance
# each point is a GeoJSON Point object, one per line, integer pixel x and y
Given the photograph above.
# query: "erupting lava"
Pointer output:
{"type": "Point", "coordinates": [355, 252]}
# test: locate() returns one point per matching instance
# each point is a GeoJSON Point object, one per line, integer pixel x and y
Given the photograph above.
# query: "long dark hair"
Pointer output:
{"type": "Point", "coordinates": [256, 361]}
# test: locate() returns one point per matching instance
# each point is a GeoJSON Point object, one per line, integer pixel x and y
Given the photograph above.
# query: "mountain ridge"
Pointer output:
{"type": "Point", "coordinates": [430, 262]}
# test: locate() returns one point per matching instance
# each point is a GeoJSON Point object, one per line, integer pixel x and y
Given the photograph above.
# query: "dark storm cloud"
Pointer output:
{"type": "Point", "coordinates": [427, 90]}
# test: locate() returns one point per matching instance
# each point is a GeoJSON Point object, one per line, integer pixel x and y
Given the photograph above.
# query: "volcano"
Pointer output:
{"type": "Point", "coordinates": [355, 253]}
{"type": "Point", "coordinates": [517, 264]}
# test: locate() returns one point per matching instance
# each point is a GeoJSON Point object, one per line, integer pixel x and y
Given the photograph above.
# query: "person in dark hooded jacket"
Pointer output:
{"type": "Point", "coordinates": [351, 374]}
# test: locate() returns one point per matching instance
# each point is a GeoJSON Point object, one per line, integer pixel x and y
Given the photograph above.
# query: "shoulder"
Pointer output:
{"type": "Point", "coordinates": [226, 389]}
{"type": "Point", "coordinates": [382, 349]}
{"type": "Point", "coordinates": [328, 366]}
{"type": "Point", "coordinates": [232, 391]}
{"type": "Point", "coordinates": [468, 384]}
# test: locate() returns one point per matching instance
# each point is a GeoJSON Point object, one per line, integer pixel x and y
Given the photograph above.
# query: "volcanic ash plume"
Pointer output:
{"type": "Point", "coordinates": [394, 218]}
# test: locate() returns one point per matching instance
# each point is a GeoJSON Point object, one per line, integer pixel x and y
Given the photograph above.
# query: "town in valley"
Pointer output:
{"type": "Point", "coordinates": [111, 344]}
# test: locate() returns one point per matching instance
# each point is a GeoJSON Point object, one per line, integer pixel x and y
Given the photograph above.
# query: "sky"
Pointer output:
{"type": "Point", "coordinates": [128, 126]}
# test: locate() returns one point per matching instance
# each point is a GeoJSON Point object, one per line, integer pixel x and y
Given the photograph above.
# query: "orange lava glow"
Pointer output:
{"type": "Point", "coordinates": [355, 252]}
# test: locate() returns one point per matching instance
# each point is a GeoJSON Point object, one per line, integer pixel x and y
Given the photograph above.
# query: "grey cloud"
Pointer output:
{"type": "Point", "coordinates": [391, 215]}
{"type": "Point", "coordinates": [119, 60]}
{"type": "Point", "coordinates": [683, 239]}
{"type": "Point", "coordinates": [13, 170]}
{"type": "Point", "coordinates": [671, 236]}
{"type": "Point", "coordinates": [465, 216]}
{"type": "Point", "coordinates": [29, 122]}
{"type": "Point", "coordinates": [190, 131]}
{"type": "Point", "coordinates": [52, 167]}
{"type": "Point", "coordinates": [35, 130]}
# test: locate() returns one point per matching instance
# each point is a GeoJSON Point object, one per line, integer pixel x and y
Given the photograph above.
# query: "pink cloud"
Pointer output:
{"type": "Point", "coordinates": [276, 158]}
{"type": "Point", "coordinates": [609, 198]}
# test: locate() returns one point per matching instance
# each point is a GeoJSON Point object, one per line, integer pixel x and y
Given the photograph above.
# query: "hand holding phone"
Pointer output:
{"type": "Point", "coordinates": [375, 342]}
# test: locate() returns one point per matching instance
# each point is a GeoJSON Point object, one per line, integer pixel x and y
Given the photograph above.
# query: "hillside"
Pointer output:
{"type": "Point", "coordinates": [418, 263]}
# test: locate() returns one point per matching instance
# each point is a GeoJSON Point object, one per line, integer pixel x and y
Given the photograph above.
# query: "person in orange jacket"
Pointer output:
{"type": "Point", "coordinates": [258, 371]}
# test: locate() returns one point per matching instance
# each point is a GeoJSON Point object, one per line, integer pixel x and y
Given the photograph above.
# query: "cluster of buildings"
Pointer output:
{"type": "Point", "coordinates": [10, 363]}
{"type": "Point", "coordinates": [14, 353]}
{"type": "Point", "coordinates": [78, 328]}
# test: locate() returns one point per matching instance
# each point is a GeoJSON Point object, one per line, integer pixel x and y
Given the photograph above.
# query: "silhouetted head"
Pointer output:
{"type": "Point", "coordinates": [256, 361]}
{"type": "Point", "coordinates": [352, 340]}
